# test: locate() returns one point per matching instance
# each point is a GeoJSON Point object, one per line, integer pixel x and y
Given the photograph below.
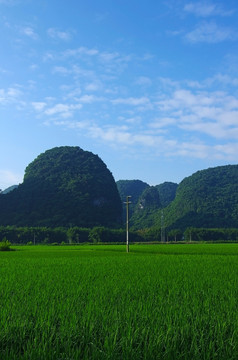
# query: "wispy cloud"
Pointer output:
{"type": "Point", "coordinates": [206, 9]}
{"type": "Point", "coordinates": [214, 114]}
{"type": "Point", "coordinates": [10, 95]}
{"type": "Point", "coordinates": [29, 32]}
{"type": "Point", "coordinates": [131, 101]}
{"type": "Point", "coordinates": [80, 52]}
{"type": "Point", "coordinates": [63, 110]}
{"type": "Point", "coordinates": [89, 99]}
{"type": "Point", "coordinates": [58, 34]}
{"type": "Point", "coordinates": [210, 32]}
{"type": "Point", "coordinates": [143, 81]}
{"type": "Point", "coordinates": [110, 60]}
{"type": "Point", "coordinates": [39, 106]}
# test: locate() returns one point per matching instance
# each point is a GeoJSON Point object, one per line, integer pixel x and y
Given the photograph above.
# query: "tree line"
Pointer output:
{"type": "Point", "coordinates": [100, 234]}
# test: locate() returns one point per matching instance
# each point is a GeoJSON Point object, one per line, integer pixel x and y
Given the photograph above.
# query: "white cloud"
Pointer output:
{"type": "Point", "coordinates": [163, 122]}
{"type": "Point", "coordinates": [88, 99]}
{"type": "Point", "coordinates": [143, 81]}
{"type": "Point", "coordinates": [227, 151]}
{"type": "Point", "coordinates": [57, 34]}
{"type": "Point", "coordinates": [61, 70]}
{"type": "Point", "coordinates": [191, 149]}
{"type": "Point", "coordinates": [93, 86]}
{"type": "Point", "coordinates": [30, 32]}
{"type": "Point", "coordinates": [39, 106]}
{"type": "Point", "coordinates": [64, 110]}
{"type": "Point", "coordinates": [209, 32]}
{"type": "Point", "coordinates": [132, 101]}
{"type": "Point", "coordinates": [214, 114]}
{"type": "Point", "coordinates": [10, 95]}
{"type": "Point", "coordinates": [80, 51]}
{"type": "Point", "coordinates": [206, 9]}
{"type": "Point", "coordinates": [223, 79]}
{"type": "Point", "coordinates": [110, 60]}
{"type": "Point", "coordinates": [48, 57]}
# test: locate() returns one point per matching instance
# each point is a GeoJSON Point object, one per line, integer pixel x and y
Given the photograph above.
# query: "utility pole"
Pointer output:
{"type": "Point", "coordinates": [127, 222]}
{"type": "Point", "coordinates": [162, 227]}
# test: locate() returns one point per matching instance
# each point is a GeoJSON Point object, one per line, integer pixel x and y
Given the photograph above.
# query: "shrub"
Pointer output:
{"type": "Point", "coordinates": [5, 245]}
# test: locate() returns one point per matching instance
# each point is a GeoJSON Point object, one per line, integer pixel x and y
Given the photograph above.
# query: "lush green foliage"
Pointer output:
{"type": "Point", "coordinates": [167, 192]}
{"type": "Point", "coordinates": [100, 234]}
{"type": "Point", "coordinates": [145, 201]}
{"type": "Point", "coordinates": [74, 235]}
{"type": "Point", "coordinates": [147, 205]}
{"type": "Point", "coordinates": [134, 188]}
{"type": "Point", "coordinates": [200, 234]}
{"type": "Point", "coordinates": [98, 302]}
{"type": "Point", "coordinates": [5, 245]}
{"type": "Point", "coordinates": [208, 198]}
{"type": "Point", "coordinates": [65, 186]}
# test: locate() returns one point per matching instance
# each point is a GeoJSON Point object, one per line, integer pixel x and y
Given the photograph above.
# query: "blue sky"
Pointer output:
{"type": "Point", "coordinates": [150, 86]}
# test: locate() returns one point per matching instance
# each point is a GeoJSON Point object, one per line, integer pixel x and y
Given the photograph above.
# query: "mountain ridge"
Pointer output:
{"type": "Point", "coordinates": [207, 198]}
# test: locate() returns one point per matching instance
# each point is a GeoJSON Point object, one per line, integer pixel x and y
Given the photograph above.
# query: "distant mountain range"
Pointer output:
{"type": "Point", "coordinates": [208, 198]}
{"type": "Point", "coordinates": [67, 186]}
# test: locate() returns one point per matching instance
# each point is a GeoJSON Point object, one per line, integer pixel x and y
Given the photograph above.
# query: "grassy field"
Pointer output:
{"type": "Point", "coordinates": [98, 302]}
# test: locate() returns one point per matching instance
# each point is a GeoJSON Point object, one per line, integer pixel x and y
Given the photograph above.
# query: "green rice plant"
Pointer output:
{"type": "Point", "coordinates": [98, 302]}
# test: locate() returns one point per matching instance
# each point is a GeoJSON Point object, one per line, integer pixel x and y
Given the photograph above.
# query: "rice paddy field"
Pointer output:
{"type": "Point", "coordinates": [98, 302]}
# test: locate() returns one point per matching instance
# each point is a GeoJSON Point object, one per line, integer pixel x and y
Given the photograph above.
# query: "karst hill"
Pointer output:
{"type": "Point", "coordinates": [207, 198]}
{"type": "Point", "coordinates": [65, 186]}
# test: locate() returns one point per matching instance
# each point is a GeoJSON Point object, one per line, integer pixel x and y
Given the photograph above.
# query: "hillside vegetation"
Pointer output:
{"type": "Point", "coordinates": [208, 198]}
{"type": "Point", "coordinates": [65, 186]}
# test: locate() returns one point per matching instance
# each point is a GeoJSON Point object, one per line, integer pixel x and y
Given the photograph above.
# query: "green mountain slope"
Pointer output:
{"type": "Point", "coordinates": [167, 192]}
{"type": "Point", "coordinates": [65, 186]}
{"type": "Point", "coordinates": [208, 198]}
{"type": "Point", "coordinates": [134, 188]}
{"type": "Point", "coordinates": [146, 200]}
{"type": "Point", "coordinates": [144, 214]}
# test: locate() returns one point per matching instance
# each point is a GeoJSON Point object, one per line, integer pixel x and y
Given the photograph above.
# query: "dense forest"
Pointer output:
{"type": "Point", "coordinates": [206, 199]}
{"type": "Point", "coordinates": [65, 186]}
{"type": "Point", "coordinates": [146, 201]}
{"type": "Point", "coordinates": [69, 187]}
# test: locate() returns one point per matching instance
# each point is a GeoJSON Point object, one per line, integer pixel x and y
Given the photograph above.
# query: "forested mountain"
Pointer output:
{"type": "Point", "coordinates": [167, 192]}
{"type": "Point", "coordinates": [145, 201]}
{"type": "Point", "coordinates": [134, 188]}
{"type": "Point", "coordinates": [208, 198]}
{"type": "Point", "coordinates": [146, 208]}
{"type": "Point", "coordinates": [65, 186]}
